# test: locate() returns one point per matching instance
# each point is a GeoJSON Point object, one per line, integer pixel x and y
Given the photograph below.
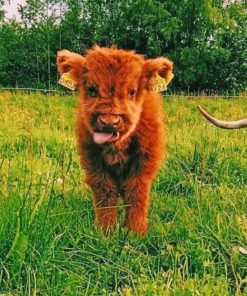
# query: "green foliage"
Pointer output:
{"type": "Point", "coordinates": [197, 241]}
{"type": "Point", "coordinates": [206, 39]}
{"type": "Point", "coordinates": [2, 13]}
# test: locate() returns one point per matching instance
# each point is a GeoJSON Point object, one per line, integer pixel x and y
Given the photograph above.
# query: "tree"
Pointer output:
{"type": "Point", "coordinates": [201, 37]}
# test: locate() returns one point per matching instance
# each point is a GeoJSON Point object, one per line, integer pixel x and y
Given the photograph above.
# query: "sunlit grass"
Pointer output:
{"type": "Point", "coordinates": [198, 218]}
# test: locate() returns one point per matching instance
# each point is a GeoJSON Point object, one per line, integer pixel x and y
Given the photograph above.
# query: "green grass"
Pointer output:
{"type": "Point", "coordinates": [197, 241]}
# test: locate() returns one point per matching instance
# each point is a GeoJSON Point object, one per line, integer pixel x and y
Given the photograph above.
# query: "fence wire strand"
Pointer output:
{"type": "Point", "coordinates": [173, 93]}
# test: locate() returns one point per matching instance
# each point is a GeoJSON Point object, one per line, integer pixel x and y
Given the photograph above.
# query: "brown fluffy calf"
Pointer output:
{"type": "Point", "coordinates": [120, 129]}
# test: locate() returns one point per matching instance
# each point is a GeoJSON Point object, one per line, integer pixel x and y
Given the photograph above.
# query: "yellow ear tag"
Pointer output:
{"type": "Point", "coordinates": [158, 83]}
{"type": "Point", "coordinates": [67, 81]}
{"type": "Point", "coordinates": [169, 76]}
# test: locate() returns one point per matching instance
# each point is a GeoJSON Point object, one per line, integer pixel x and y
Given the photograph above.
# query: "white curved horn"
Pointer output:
{"type": "Point", "coordinates": [223, 124]}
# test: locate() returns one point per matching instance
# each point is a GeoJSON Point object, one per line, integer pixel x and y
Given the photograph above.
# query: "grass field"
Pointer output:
{"type": "Point", "coordinates": [197, 243]}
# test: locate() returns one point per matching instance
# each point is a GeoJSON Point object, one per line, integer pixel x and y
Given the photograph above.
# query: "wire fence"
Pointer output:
{"type": "Point", "coordinates": [169, 93]}
{"type": "Point", "coordinates": [42, 90]}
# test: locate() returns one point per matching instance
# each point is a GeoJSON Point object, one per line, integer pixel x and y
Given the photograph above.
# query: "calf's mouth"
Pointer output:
{"type": "Point", "coordinates": [105, 137]}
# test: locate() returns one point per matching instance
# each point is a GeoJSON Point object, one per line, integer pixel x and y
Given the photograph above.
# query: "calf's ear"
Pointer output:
{"type": "Point", "coordinates": [151, 67]}
{"type": "Point", "coordinates": [71, 62]}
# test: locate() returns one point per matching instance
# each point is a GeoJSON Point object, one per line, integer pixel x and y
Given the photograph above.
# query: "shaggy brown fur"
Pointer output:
{"type": "Point", "coordinates": [120, 128]}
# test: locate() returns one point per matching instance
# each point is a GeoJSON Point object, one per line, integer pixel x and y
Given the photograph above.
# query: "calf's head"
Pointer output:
{"type": "Point", "coordinates": [113, 84]}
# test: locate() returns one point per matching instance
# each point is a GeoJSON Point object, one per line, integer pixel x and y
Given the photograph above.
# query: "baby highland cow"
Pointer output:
{"type": "Point", "coordinates": [120, 129]}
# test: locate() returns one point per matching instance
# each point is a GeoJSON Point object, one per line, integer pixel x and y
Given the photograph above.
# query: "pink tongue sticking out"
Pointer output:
{"type": "Point", "coordinates": [101, 138]}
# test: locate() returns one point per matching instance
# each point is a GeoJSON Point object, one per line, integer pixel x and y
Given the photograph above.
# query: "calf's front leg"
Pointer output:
{"type": "Point", "coordinates": [136, 198]}
{"type": "Point", "coordinates": [105, 201]}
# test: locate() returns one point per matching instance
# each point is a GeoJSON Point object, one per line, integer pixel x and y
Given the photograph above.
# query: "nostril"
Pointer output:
{"type": "Point", "coordinates": [116, 121]}
{"type": "Point", "coordinates": [102, 120]}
